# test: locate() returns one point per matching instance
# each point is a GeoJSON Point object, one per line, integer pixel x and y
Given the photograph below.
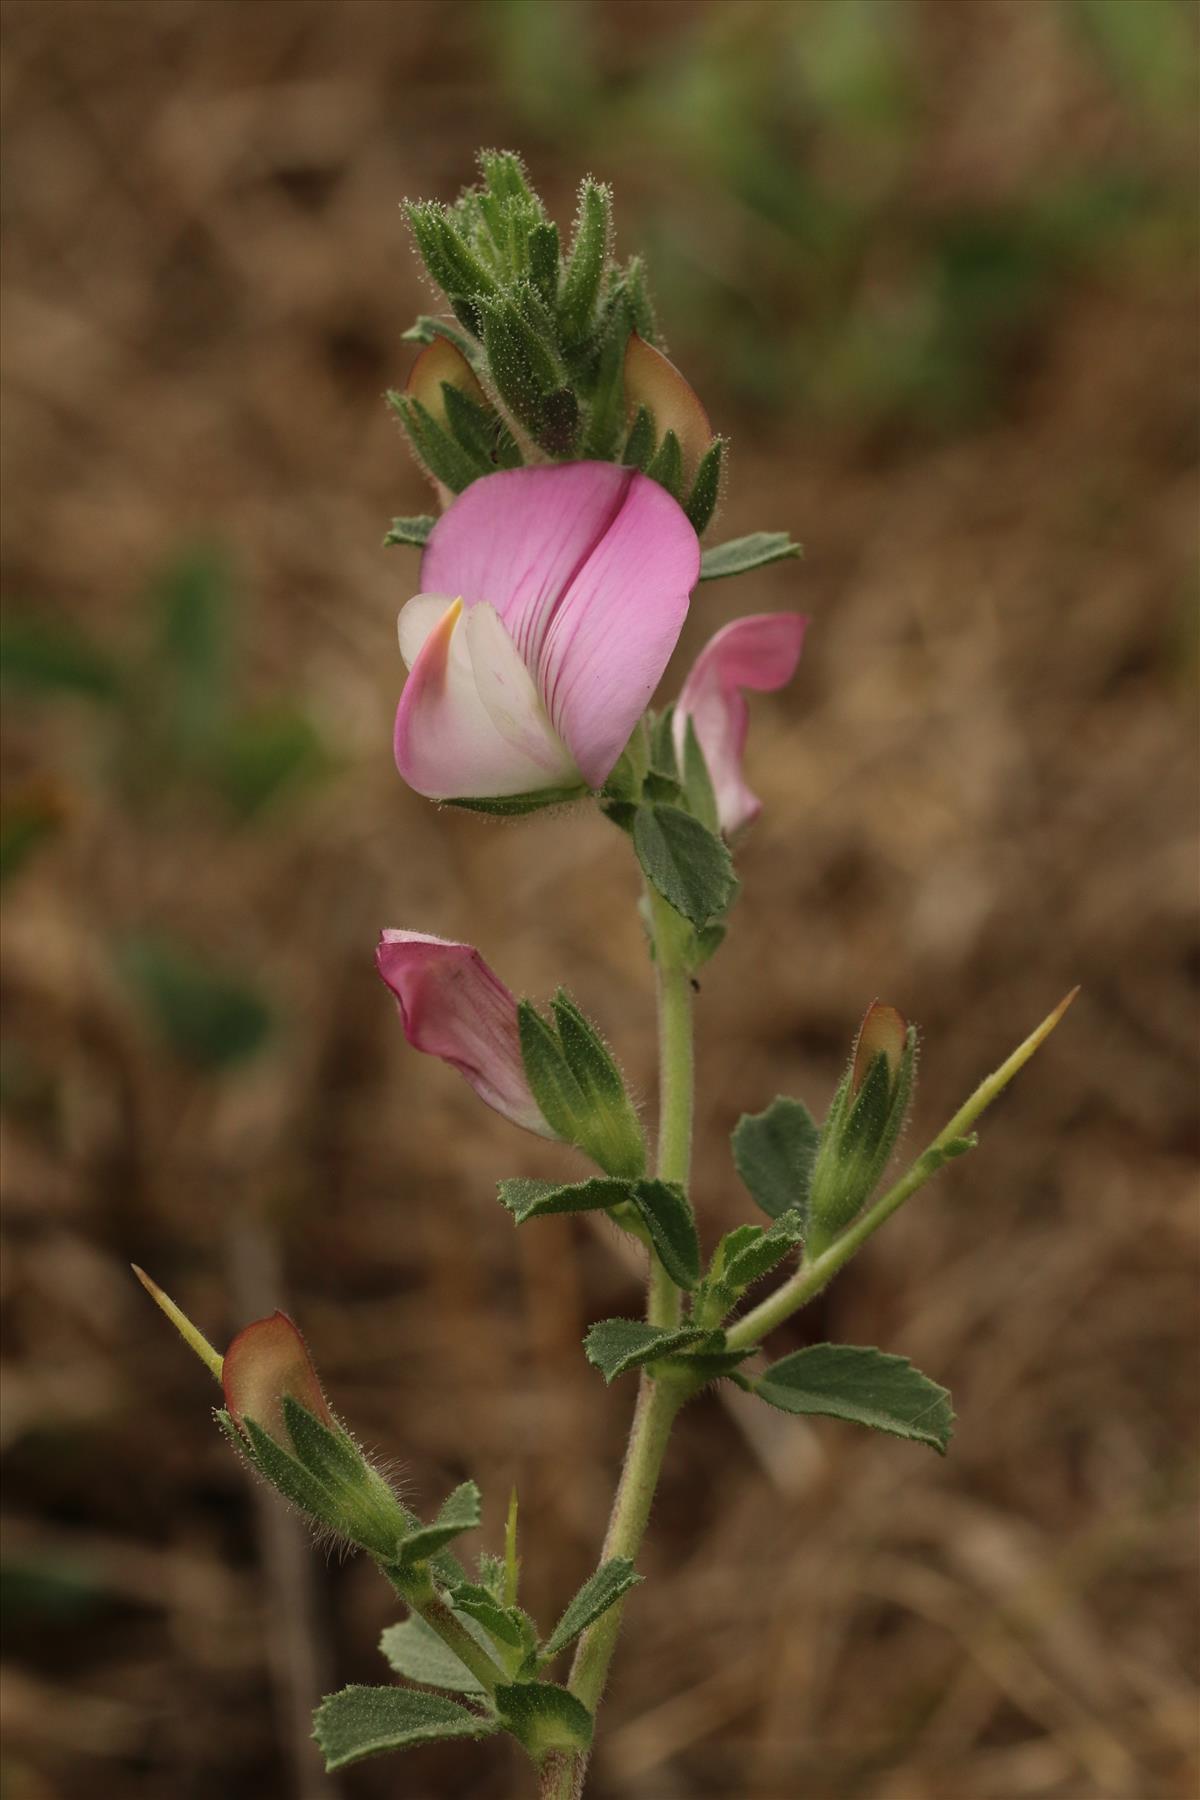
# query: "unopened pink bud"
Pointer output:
{"type": "Point", "coordinates": [267, 1361]}
{"type": "Point", "coordinates": [442, 362]}
{"type": "Point", "coordinates": [883, 1029]}
{"type": "Point", "coordinates": [653, 381]}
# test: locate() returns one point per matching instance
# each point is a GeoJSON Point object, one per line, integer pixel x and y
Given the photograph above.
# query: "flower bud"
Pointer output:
{"type": "Point", "coordinates": [864, 1122]}
{"type": "Point", "coordinates": [652, 381]}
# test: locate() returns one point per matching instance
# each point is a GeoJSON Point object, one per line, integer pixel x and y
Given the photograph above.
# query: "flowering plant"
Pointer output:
{"type": "Point", "coordinates": [575, 472]}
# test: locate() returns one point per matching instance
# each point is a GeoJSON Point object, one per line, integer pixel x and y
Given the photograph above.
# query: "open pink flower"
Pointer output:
{"type": "Point", "coordinates": [452, 1005]}
{"type": "Point", "coordinates": [758, 653]}
{"type": "Point", "coordinates": [552, 600]}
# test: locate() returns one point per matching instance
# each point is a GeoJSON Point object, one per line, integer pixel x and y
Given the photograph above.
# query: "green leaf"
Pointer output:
{"type": "Point", "coordinates": [774, 1152]}
{"type": "Point", "coordinates": [688, 864]}
{"type": "Point", "coordinates": [711, 1365]}
{"type": "Point", "coordinates": [543, 1717]}
{"type": "Point", "coordinates": [697, 782]}
{"type": "Point", "coordinates": [706, 488]}
{"type": "Point", "coordinates": [458, 1513]}
{"type": "Point", "coordinates": [208, 1018]}
{"type": "Point", "coordinates": [415, 1650]}
{"type": "Point", "coordinates": [366, 1721]}
{"type": "Point", "coordinates": [616, 1345]}
{"type": "Point", "coordinates": [739, 555]}
{"type": "Point", "coordinates": [748, 1261]}
{"type": "Point", "coordinates": [600, 1591]}
{"type": "Point", "coordinates": [529, 1199]}
{"type": "Point", "coordinates": [849, 1381]}
{"type": "Point", "coordinates": [502, 1622]}
{"type": "Point", "coordinates": [414, 530]}
{"type": "Point", "coordinates": [668, 1217]}
{"type": "Point", "coordinates": [40, 656]}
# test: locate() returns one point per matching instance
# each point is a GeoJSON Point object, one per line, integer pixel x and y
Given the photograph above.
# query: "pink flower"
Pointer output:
{"type": "Point", "coordinates": [758, 653]}
{"type": "Point", "coordinates": [553, 598]}
{"type": "Point", "coordinates": [266, 1361]}
{"type": "Point", "coordinates": [453, 1006]}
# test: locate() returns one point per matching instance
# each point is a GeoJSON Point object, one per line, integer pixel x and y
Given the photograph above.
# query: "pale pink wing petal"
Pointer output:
{"type": "Point", "coordinates": [264, 1362]}
{"type": "Point", "coordinates": [512, 701]}
{"type": "Point", "coordinates": [447, 743]}
{"type": "Point", "coordinates": [417, 618]}
{"type": "Point", "coordinates": [453, 1006]}
{"type": "Point", "coordinates": [758, 653]}
{"type": "Point", "coordinates": [604, 650]}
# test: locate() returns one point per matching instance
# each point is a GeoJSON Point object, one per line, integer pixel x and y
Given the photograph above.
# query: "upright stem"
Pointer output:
{"type": "Point", "coordinates": [659, 1398]}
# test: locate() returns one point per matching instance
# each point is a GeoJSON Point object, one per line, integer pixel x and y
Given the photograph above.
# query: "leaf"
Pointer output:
{"type": "Point", "coordinates": [477, 1603]}
{"type": "Point", "coordinates": [40, 656]}
{"type": "Point", "coordinates": [413, 530]}
{"type": "Point", "coordinates": [697, 782]}
{"type": "Point", "coordinates": [529, 1199]}
{"type": "Point", "coordinates": [365, 1721]}
{"type": "Point", "coordinates": [738, 555]}
{"type": "Point", "coordinates": [415, 1650]}
{"type": "Point", "coordinates": [458, 1513]}
{"type": "Point", "coordinates": [208, 1018]}
{"type": "Point", "coordinates": [710, 1365]}
{"type": "Point", "coordinates": [600, 1591]}
{"type": "Point", "coordinates": [688, 864]}
{"type": "Point", "coordinates": [774, 1152]}
{"type": "Point", "coordinates": [669, 1219]}
{"type": "Point", "coordinates": [616, 1345]}
{"type": "Point", "coordinates": [749, 1253]}
{"type": "Point", "coordinates": [706, 488]}
{"type": "Point", "coordinates": [850, 1381]}
{"type": "Point", "coordinates": [544, 1717]}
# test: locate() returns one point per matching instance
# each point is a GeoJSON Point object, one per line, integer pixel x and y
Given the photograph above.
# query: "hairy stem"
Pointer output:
{"type": "Point", "coordinates": [659, 1398]}
{"type": "Point", "coordinates": [417, 1588]}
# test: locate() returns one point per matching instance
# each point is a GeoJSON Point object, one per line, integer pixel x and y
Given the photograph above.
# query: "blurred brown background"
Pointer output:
{"type": "Point", "coordinates": [932, 267]}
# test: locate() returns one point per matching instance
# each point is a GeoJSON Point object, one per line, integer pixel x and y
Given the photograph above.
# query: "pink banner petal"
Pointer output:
{"type": "Point", "coordinates": [590, 567]}
{"type": "Point", "coordinates": [758, 653]}
{"type": "Point", "coordinates": [453, 1006]}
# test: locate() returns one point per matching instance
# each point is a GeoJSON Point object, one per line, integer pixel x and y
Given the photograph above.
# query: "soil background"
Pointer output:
{"type": "Point", "coordinates": [932, 267]}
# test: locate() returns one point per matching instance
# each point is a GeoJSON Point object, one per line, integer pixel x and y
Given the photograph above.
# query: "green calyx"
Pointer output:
{"type": "Point", "coordinates": [579, 1088]}
{"type": "Point", "coordinates": [857, 1139]}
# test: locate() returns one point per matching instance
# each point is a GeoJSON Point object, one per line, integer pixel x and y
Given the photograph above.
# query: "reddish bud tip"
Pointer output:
{"type": "Point", "coordinates": [439, 362]}
{"type": "Point", "coordinates": [653, 381]}
{"type": "Point", "coordinates": [266, 1361]}
{"type": "Point", "coordinates": [883, 1028]}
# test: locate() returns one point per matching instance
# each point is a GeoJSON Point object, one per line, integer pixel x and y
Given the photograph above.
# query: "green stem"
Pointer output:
{"type": "Point", "coordinates": [417, 1588]}
{"type": "Point", "coordinates": [812, 1276]}
{"type": "Point", "coordinates": [659, 1398]}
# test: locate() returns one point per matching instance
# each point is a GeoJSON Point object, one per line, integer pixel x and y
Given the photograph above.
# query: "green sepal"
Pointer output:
{"type": "Point", "coordinates": [560, 1098]}
{"type": "Point", "coordinates": [639, 445]}
{"type": "Point", "coordinates": [453, 265]}
{"type": "Point", "coordinates": [459, 1512]}
{"type": "Point", "coordinates": [668, 1217]}
{"type": "Point", "coordinates": [663, 760]}
{"type": "Point", "coordinates": [610, 1583]}
{"type": "Point", "coordinates": [543, 1717]}
{"type": "Point", "coordinates": [504, 1623]}
{"type": "Point", "coordinates": [863, 1385]}
{"type": "Point", "coordinates": [472, 426]}
{"type": "Point", "coordinates": [739, 555]}
{"type": "Point", "coordinates": [697, 782]}
{"type": "Point", "coordinates": [706, 489]}
{"type": "Point", "coordinates": [414, 530]}
{"type": "Point", "coordinates": [774, 1152]}
{"type": "Point", "coordinates": [544, 258]}
{"type": "Point", "coordinates": [367, 1721]}
{"type": "Point", "coordinates": [435, 449]}
{"type": "Point", "coordinates": [289, 1476]}
{"type": "Point", "coordinates": [526, 1198]}
{"type": "Point", "coordinates": [514, 806]}
{"type": "Point", "coordinates": [615, 1346]}
{"type": "Point", "coordinates": [426, 330]}
{"type": "Point", "coordinates": [688, 864]}
{"type": "Point", "coordinates": [578, 1087]}
{"type": "Point", "coordinates": [857, 1140]}
{"type": "Point", "coordinates": [526, 372]}
{"type": "Point", "coordinates": [666, 465]}
{"type": "Point", "coordinates": [415, 1651]}
{"type": "Point", "coordinates": [585, 262]}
